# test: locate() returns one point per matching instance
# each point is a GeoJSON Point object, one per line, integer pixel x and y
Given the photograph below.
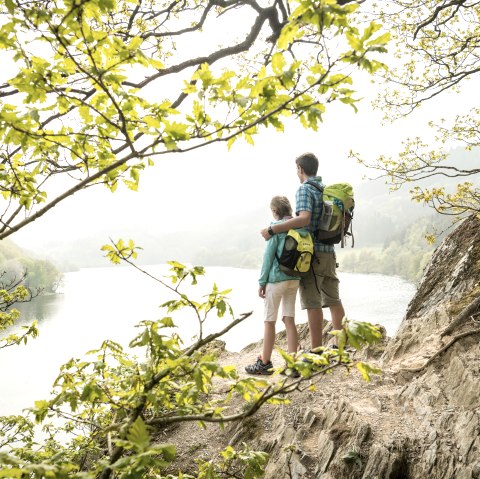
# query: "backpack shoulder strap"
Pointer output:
{"type": "Point", "coordinates": [320, 188]}
{"type": "Point", "coordinates": [315, 185]}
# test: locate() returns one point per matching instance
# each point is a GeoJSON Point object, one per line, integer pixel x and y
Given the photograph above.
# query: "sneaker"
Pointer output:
{"type": "Point", "coordinates": [259, 367]}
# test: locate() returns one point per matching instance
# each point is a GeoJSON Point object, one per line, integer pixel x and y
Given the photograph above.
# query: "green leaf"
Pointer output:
{"type": "Point", "coordinates": [167, 322]}
{"type": "Point", "coordinates": [221, 308]}
{"type": "Point", "coordinates": [367, 369]}
{"type": "Point", "coordinates": [10, 6]}
{"type": "Point", "coordinates": [168, 450]}
{"type": "Point", "coordinates": [135, 43]}
{"type": "Point", "coordinates": [151, 121]}
{"type": "Point", "coordinates": [189, 88]}
{"type": "Point", "coordinates": [278, 63]}
{"type": "Point", "coordinates": [204, 74]}
{"type": "Point", "coordinates": [13, 473]}
{"type": "Point", "coordinates": [288, 35]}
{"type": "Point", "coordinates": [249, 139]}
{"type": "Point", "coordinates": [370, 30]}
{"type": "Point", "coordinates": [381, 40]}
{"type": "Point", "coordinates": [355, 42]}
{"type": "Point", "coordinates": [230, 142]}
{"type": "Point", "coordinates": [138, 435]}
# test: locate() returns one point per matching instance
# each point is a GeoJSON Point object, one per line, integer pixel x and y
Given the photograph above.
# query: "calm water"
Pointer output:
{"type": "Point", "coordinates": [101, 303]}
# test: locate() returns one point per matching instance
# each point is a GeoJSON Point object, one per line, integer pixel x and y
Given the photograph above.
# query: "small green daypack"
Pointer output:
{"type": "Point", "coordinates": [297, 253]}
{"type": "Point", "coordinates": [337, 213]}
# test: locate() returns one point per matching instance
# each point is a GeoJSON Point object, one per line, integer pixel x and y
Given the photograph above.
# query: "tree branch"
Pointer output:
{"type": "Point", "coordinates": [212, 58]}
{"type": "Point", "coordinates": [436, 13]}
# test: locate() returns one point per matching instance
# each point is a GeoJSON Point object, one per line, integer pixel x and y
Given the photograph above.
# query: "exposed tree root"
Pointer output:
{"type": "Point", "coordinates": [442, 350]}
{"type": "Point", "coordinates": [463, 316]}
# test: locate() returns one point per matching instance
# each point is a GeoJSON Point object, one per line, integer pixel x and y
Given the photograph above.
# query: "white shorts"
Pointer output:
{"type": "Point", "coordinates": [284, 292]}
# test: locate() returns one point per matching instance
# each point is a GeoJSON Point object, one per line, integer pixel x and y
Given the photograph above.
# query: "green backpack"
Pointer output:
{"type": "Point", "coordinates": [337, 213]}
{"type": "Point", "coordinates": [297, 253]}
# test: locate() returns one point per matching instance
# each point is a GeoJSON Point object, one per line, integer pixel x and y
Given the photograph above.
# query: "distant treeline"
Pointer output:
{"type": "Point", "coordinates": [15, 263]}
{"type": "Point", "coordinates": [404, 254]}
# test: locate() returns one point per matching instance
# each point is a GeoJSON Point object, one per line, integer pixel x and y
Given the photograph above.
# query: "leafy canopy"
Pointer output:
{"type": "Point", "coordinates": [436, 53]}
{"type": "Point", "coordinates": [95, 91]}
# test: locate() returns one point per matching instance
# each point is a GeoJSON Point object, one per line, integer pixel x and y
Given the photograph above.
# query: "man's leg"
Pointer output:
{"type": "Point", "coordinates": [331, 292]}
{"type": "Point", "coordinates": [338, 313]}
{"type": "Point", "coordinates": [315, 325]}
{"type": "Point", "coordinates": [311, 300]}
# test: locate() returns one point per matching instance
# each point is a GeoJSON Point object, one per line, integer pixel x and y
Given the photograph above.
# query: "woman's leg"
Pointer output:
{"type": "Point", "coordinates": [268, 340]}
{"type": "Point", "coordinates": [273, 297]}
{"type": "Point", "coordinates": [288, 314]}
{"type": "Point", "coordinates": [292, 334]}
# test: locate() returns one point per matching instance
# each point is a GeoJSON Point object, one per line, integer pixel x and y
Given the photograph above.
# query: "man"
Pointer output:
{"type": "Point", "coordinates": [321, 286]}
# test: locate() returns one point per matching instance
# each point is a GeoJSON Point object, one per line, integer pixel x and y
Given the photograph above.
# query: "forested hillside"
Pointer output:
{"type": "Point", "coordinates": [403, 254]}
{"type": "Point", "coordinates": [15, 262]}
{"type": "Point", "coordinates": [391, 230]}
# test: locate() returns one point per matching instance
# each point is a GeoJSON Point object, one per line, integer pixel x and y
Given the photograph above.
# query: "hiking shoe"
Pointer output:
{"type": "Point", "coordinates": [347, 349]}
{"type": "Point", "coordinates": [292, 373]}
{"type": "Point", "coordinates": [259, 367]}
{"type": "Point", "coordinates": [309, 351]}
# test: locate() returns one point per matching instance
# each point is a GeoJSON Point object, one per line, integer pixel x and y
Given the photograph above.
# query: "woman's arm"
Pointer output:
{"type": "Point", "coordinates": [268, 259]}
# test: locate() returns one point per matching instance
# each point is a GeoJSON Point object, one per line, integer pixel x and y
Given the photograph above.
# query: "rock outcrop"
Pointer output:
{"type": "Point", "coordinates": [420, 419]}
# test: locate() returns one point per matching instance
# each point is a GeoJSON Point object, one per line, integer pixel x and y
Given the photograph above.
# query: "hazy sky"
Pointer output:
{"type": "Point", "coordinates": [203, 187]}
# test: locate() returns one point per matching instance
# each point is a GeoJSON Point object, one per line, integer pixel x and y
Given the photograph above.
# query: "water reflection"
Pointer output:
{"type": "Point", "coordinates": [42, 308]}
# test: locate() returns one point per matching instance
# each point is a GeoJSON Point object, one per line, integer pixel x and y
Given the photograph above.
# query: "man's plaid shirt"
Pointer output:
{"type": "Point", "coordinates": [308, 198]}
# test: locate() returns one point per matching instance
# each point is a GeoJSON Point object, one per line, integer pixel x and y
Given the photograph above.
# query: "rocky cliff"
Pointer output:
{"type": "Point", "coordinates": [419, 419]}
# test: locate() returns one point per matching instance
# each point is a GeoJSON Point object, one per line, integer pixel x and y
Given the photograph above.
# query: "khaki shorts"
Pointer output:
{"type": "Point", "coordinates": [284, 292]}
{"type": "Point", "coordinates": [320, 287]}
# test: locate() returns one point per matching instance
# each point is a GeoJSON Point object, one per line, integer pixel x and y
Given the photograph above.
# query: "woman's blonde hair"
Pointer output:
{"type": "Point", "coordinates": [281, 206]}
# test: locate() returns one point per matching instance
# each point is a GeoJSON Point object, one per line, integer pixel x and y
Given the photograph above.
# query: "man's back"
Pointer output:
{"type": "Point", "coordinates": [309, 198]}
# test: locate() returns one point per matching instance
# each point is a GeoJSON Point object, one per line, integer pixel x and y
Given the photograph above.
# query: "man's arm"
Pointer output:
{"type": "Point", "coordinates": [300, 221]}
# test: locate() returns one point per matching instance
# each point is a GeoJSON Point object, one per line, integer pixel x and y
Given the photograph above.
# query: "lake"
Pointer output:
{"type": "Point", "coordinates": [100, 303]}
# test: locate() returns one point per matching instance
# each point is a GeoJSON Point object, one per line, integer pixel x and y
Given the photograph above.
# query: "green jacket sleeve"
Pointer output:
{"type": "Point", "coordinates": [268, 259]}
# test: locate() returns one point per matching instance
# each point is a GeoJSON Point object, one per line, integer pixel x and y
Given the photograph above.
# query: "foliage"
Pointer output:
{"type": "Point", "coordinates": [106, 408]}
{"type": "Point", "coordinates": [437, 52]}
{"type": "Point", "coordinates": [353, 457]}
{"type": "Point", "coordinates": [100, 89]}
{"type": "Point", "coordinates": [22, 278]}
{"type": "Point", "coordinates": [12, 291]}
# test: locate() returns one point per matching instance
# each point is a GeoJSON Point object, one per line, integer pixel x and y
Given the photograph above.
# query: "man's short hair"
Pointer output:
{"type": "Point", "coordinates": [309, 163]}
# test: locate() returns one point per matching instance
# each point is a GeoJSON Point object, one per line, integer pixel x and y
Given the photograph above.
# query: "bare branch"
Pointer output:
{"type": "Point", "coordinates": [212, 58]}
